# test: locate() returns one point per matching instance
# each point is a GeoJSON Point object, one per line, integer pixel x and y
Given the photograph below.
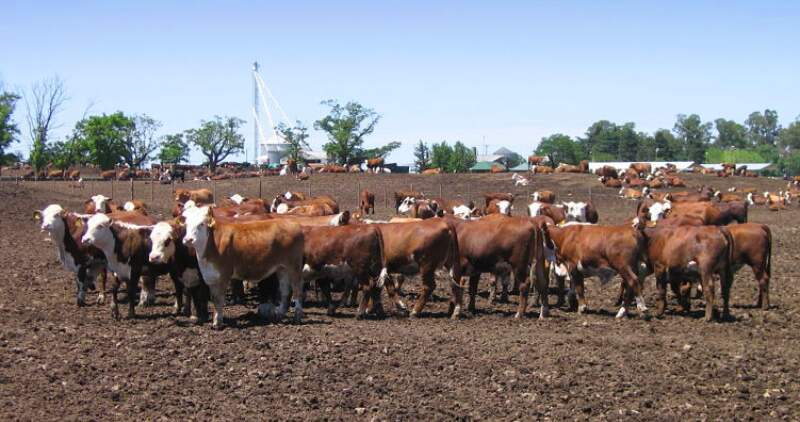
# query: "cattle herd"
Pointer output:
{"type": "Point", "coordinates": [291, 243]}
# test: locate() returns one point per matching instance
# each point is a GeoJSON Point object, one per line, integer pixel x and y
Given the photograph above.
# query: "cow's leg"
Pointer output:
{"type": "Point", "coordinates": [632, 281]}
{"type": "Point", "coordinates": [560, 302]}
{"type": "Point", "coordinates": [726, 282]}
{"type": "Point", "coordinates": [324, 285]}
{"type": "Point", "coordinates": [661, 289]}
{"type": "Point", "coordinates": [101, 288]}
{"type": "Point", "coordinates": [147, 297]}
{"type": "Point", "coordinates": [763, 288]}
{"type": "Point", "coordinates": [707, 281]}
{"type": "Point", "coordinates": [179, 304]}
{"type": "Point", "coordinates": [473, 291]}
{"type": "Point", "coordinates": [80, 285]}
{"type": "Point", "coordinates": [457, 297]}
{"type": "Point", "coordinates": [492, 288]}
{"type": "Point", "coordinates": [237, 291]}
{"type": "Point", "coordinates": [132, 287]}
{"type": "Point", "coordinates": [578, 287]}
{"type": "Point", "coordinates": [367, 296]}
{"type": "Point", "coordinates": [295, 280]}
{"type": "Point", "coordinates": [114, 302]}
{"type": "Point", "coordinates": [200, 296]}
{"type": "Point", "coordinates": [524, 287]}
{"type": "Point", "coordinates": [428, 284]}
{"type": "Point", "coordinates": [217, 290]}
{"type": "Point", "coordinates": [538, 276]}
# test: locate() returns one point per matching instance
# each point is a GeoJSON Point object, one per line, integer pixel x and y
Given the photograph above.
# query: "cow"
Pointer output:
{"type": "Point", "coordinates": [555, 212]}
{"type": "Point", "coordinates": [756, 199]}
{"type": "Point", "coordinates": [535, 160]}
{"type": "Point", "coordinates": [123, 237]}
{"type": "Point", "coordinates": [542, 170]}
{"type": "Point", "coordinates": [655, 184]}
{"type": "Point", "coordinates": [503, 246]}
{"type": "Point", "coordinates": [291, 166]}
{"type": "Point", "coordinates": [546, 196]}
{"type": "Point", "coordinates": [375, 165]}
{"type": "Point", "coordinates": [610, 182]}
{"type": "Point", "coordinates": [675, 181]}
{"type": "Point", "coordinates": [436, 170]}
{"type": "Point", "coordinates": [350, 254]}
{"type": "Point", "coordinates": [498, 206]}
{"type": "Point", "coordinates": [424, 208]}
{"type": "Point", "coordinates": [642, 169]}
{"type": "Point", "coordinates": [100, 204]}
{"type": "Point", "coordinates": [319, 205]}
{"type": "Point", "coordinates": [459, 207]}
{"type": "Point", "coordinates": [421, 248]}
{"type": "Point", "coordinates": [728, 196]}
{"type": "Point", "coordinates": [497, 168]}
{"type": "Point", "coordinates": [753, 246]}
{"type": "Point", "coordinates": [248, 251]}
{"type": "Point", "coordinates": [519, 180]}
{"type": "Point", "coordinates": [399, 196]}
{"type": "Point", "coordinates": [568, 168]}
{"type": "Point", "coordinates": [167, 248]}
{"type": "Point", "coordinates": [731, 211]}
{"type": "Point", "coordinates": [500, 196]}
{"type": "Point", "coordinates": [366, 202]}
{"type": "Point", "coordinates": [135, 205]}
{"type": "Point", "coordinates": [74, 175]}
{"type": "Point", "coordinates": [679, 253]}
{"type": "Point", "coordinates": [578, 251]}
{"type": "Point", "coordinates": [65, 230]}
{"type": "Point", "coordinates": [630, 193]}
{"type": "Point", "coordinates": [581, 212]}
{"type": "Point", "coordinates": [608, 172]}
{"type": "Point", "coordinates": [199, 196]}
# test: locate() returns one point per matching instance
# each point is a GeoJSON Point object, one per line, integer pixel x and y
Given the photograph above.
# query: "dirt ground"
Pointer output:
{"type": "Point", "coordinates": [61, 362]}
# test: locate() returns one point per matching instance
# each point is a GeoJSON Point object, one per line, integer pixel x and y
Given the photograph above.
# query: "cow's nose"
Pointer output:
{"type": "Point", "coordinates": [188, 241]}
{"type": "Point", "coordinates": [154, 258]}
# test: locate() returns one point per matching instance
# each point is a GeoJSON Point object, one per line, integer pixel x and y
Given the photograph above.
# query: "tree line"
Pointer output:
{"type": "Point", "coordinates": [109, 140]}
{"type": "Point", "coordinates": [760, 138]}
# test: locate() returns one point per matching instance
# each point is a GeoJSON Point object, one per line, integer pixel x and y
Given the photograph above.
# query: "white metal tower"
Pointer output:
{"type": "Point", "coordinates": [268, 145]}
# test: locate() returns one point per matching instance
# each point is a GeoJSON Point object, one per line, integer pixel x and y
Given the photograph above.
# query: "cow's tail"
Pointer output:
{"type": "Point", "coordinates": [730, 257]}
{"type": "Point", "coordinates": [537, 275]}
{"type": "Point", "coordinates": [384, 273]}
{"type": "Point", "coordinates": [769, 250]}
{"type": "Point", "coordinates": [454, 258]}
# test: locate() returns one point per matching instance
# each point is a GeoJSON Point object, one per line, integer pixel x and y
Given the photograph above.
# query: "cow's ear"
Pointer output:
{"type": "Point", "coordinates": [37, 215]}
{"type": "Point", "coordinates": [79, 222]}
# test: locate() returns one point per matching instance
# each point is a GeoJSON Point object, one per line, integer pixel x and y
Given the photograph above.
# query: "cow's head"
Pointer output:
{"type": "Point", "coordinates": [406, 205]}
{"type": "Point", "coordinates": [341, 219]}
{"type": "Point", "coordinates": [277, 201]}
{"type": "Point", "coordinates": [237, 199]}
{"type": "Point", "coordinates": [576, 211]}
{"type": "Point", "coordinates": [658, 210]}
{"type": "Point", "coordinates": [162, 238]}
{"type": "Point", "coordinates": [198, 222]}
{"type": "Point", "coordinates": [51, 219]}
{"type": "Point", "coordinates": [462, 211]}
{"type": "Point", "coordinates": [182, 195]}
{"type": "Point", "coordinates": [534, 209]}
{"type": "Point", "coordinates": [504, 207]}
{"type": "Point", "coordinates": [100, 202]}
{"type": "Point", "coordinates": [98, 232]}
{"type": "Point", "coordinates": [536, 196]}
{"type": "Point", "coordinates": [749, 199]}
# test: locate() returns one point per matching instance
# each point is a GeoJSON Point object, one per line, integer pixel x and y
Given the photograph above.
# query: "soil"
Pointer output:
{"type": "Point", "coordinates": [60, 362]}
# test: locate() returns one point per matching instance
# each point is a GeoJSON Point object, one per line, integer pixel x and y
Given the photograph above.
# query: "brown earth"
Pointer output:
{"type": "Point", "coordinates": [61, 362]}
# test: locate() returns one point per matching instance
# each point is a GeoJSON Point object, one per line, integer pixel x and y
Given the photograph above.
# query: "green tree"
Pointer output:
{"type": "Point", "coordinates": [461, 159]}
{"type": "Point", "coordinates": [647, 147]}
{"type": "Point", "coordinates": [297, 139]}
{"type": "Point", "coordinates": [763, 128]}
{"type": "Point", "coordinates": [440, 155]}
{"type": "Point", "coordinates": [174, 149]}
{"type": "Point", "coordinates": [346, 127]}
{"type": "Point", "coordinates": [628, 142]}
{"type": "Point", "coordinates": [694, 134]}
{"type": "Point", "coordinates": [103, 138]}
{"type": "Point", "coordinates": [789, 138]}
{"type": "Point", "coordinates": [559, 148]}
{"type": "Point", "coordinates": [67, 153]}
{"type": "Point", "coordinates": [422, 156]}
{"type": "Point", "coordinates": [790, 164]}
{"type": "Point", "coordinates": [379, 152]}
{"type": "Point", "coordinates": [140, 141]}
{"type": "Point", "coordinates": [217, 139]}
{"type": "Point", "coordinates": [730, 134]}
{"type": "Point", "coordinates": [8, 128]}
{"type": "Point", "coordinates": [668, 148]}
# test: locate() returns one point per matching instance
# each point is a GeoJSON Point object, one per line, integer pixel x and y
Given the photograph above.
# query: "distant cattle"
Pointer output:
{"type": "Point", "coordinates": [536, 160]}
{"type": "Point", "coordinates": [375, 165]}
{"type": "Point", "coordinates": [366, 202]}
{"type": "Point", "coordinates": [432, 171]}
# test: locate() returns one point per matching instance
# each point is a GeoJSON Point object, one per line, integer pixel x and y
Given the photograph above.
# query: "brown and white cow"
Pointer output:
{"type": "Point", "coordinates": [610, 182]}
{"type": "Point", "coordinates": [352, 255]}
{"type": "Point", "coordinates": [318, 205]}
{"type": "Point", "coordinates": [199, 196]}
{"type": "Point", "coordinates": [581, 212]}
{"type": "Point", "coordinates": [65, 230]}
{"type": "Point", "coordinates": [535, 160]}
{"type": "Point", "coordinates": [498, 206]}
{"type": "Point", "coordinates": [546, 196]}
{"type": "Point", "coordinates": [400, 196]}
{"type": "Point", "coordinates": [375, 165]}
{"type": "Point", "coordinates": [247, 251]}
{"type": "Point", "coordinates": [542, 170]}
{"type": "Point", "coordinates": [753, 246]}
{"type": "Point", "coordinates": [557, 213]}
{"type": "Point", "coordinates": [100, 203]}
{"type": "Point", "coordinates": [579, 251]}
{"type": "Point", "coordinates": [680, 253]}
{"type": "Point", "coordinates": [421, 248]}
{"type": "Point", "coordinates": [366, 202]}
{"type": "Point", "coordinates": [607, 172]}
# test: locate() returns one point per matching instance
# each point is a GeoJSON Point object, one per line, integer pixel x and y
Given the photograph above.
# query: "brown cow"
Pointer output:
{"type": "Point", "coordinates": [424, 208]}
{"type": "Point", "coordinates": [728, 197]}
{"type": "Point", "coordinates": [74, 175]}
{"type": "Point", "coordinates": [630, 193]}
{"type": "Point", "coordinates": [568, 168]}
{"type": "Point", "coordinates": [108, 174]}
{"type": "Point", "coordinates": [546, 196]}
{"type": "Point", "coordinates": [432, 171]}
{"type": "Point", "coordinates": [610, 182]}
{"type": "Point", "coordinates": [607, 172]}
{"type": "Point", "coordinates": [367, 202]}
{"type": "Point", "coordinates": [581, 250]}
{"type": "Point", "coordinates": [502, 246]}
{"type": "Point", "coordinates": [501, 196]}
{"type": "Point", "coordinates": [542, 170]}
{"type": "Point", "coordinates": [676, 254]}
{"type": "Point", "coordinates": [318, 205]}
{"type": "Point", "coordinates": [100, 203]}
{"type": "Point", "coordinates": [249, 251]}
{"type": "Point", "coordinates": [753, 246]}
{"type": "Point", "coordinates": [535, 160]}
{"type": "Point", "coordinates": [136, 205]}
{"type": "Point", "coordinates": [459, 207]}
{"type": "Point", "coordinates": [375, 165]}
{"type": "Point", "coordinates": [557, 213]}
{"type": "Point", "coordinates": [199, 196]}
{"type": "Point", "coordinates": [352, 255]}
{"type": "Point", "coordinates": [496, 168]}
{"type": "Point", "coordinates": [642, 169]}
{"type": "Point", "coordinates": [421, 248]}
{"type": "Point", "coordinates": [400, 196]}
{"type": "Point", "coordinates": [498, 206]}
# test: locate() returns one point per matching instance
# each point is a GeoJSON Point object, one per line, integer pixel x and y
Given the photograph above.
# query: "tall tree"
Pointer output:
{"type": "Point", "coordinates": [763, 128]}
{"type": "Point", "coordinates": [140, 142]}
{"type": "Point", "coordinates": [67, 153]}
{"type": "Point", "coordinates": [694, 134]}
{"type": "Point", "coordinates": [559, 148]}
{"type": "Point", "coordinates": [43, 103]}
{"type": "Point", "coordinates": [103, 137]}
{"type": "Point", "coordinates": [628, 142]}
{"type": "Point", "coordinates": [8, 128]}
{"type": "Point", "coordinates": [789, 138]}
{"type": "Point", "coordinates": [440, 155]}
{"type": "Point", "coordinates": [422, 156]}
{"type": "Point", "coordinates": [730, 134]}
{"type": "Point", "coordinates": [379, 152]}
{"type": "Point", "coordinates": [297, 139]}
{"type": "Point", "coordinates": [174, 149]}
{"type": "Point", "coordinates": [346, 126]}
{"type": "Point", "coordinates": [667, 147]}
{"type": "Point", "coordinates": [461, 159]}
{"type": "Point", "coordinates": [217, 139]}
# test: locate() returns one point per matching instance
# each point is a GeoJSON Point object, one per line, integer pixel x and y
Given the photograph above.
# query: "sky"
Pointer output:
{"type": "Point", "coordinates": [490, 74]}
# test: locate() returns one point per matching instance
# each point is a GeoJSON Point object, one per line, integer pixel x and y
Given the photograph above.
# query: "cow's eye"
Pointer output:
{"type": "Point", "coordinates": [166, 243]}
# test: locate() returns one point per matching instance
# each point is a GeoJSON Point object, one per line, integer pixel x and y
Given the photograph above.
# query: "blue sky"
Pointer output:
{"type": "Point", "coordinates": [509, 72]}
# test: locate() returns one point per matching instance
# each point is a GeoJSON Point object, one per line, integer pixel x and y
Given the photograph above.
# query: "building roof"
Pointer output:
{"type": "Point", "coordinates": [489, 157]}
{"type": "Point", "coordinates": [315, 155]}
{"type": "Point", "coordinates": [485, 166]}
{"type": "Point", "coordinates": [503, 151]}
{"type": "Point", "coordinates": [519, 167]}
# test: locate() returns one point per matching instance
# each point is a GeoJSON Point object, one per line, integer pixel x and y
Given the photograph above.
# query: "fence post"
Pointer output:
{"type": "Point", "coordinates": [112, 187]}
{"type": "Point", "coordinates": [259, 186]}
{"type": "Point", "coordinates": [358, 194]}
{"type": "Point", "coordinates": [440, 191]}
{"type": "Point", "coordinates": [385, 198]}
{"type": "Point", "coordinates": [131, 188]}
{"type": "Point", "coordinates": [151, 192]}
{"type": "Point", "coordinates": [309, 188]}
{"type": "Point", "coordinates": [214, 189]}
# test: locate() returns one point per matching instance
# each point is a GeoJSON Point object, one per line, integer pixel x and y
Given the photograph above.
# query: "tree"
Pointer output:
{"type": "Point", "coordinates": [346, 127]}
{"type": "Point", "coordinates": [103, 137]}
{"type": "Point", "coordinates": [647, 147]}
{"type": "Point", "coordinates": [422, 156]}
{"type": "Point", "coordinates": [8, 128]}
{"type": "Point", "coordinates": [67, 153]}
{"type": "Point", "coordinates": [440, 155]}
{"type": "Point", "coordinates": [763, 128]}
{"type": "Point", "coordinates": [695, 136]}
{"type": "Point", "coordinates": [43, 103]}
{"type": "Point", "coordinates": [559, 148]}
{"type": "Point", "coordinates": [730, 134]}
{"type": "Point", "coordinates": [628, 142]}
{"type": "Point", "coordinates": [140, 142]}
{"type": "Point", "coordinates": [461, 159]}
{"type": "Point", "coordinates": [297, 139]}
{"type": "Point", "coordinates": [789, 138]}
{"type": "Point", "coordinates": [174, 149]}
{"type": "Point", "coordinates": [668, 148]}
{"type": "Point", "coordinates": [217, 139]}
{"type": "Point", "coordinates": [379, 152]}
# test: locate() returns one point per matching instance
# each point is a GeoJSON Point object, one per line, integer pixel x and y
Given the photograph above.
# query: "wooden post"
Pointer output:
{"type": "Point", "coordinates": [214, 189]}
{"type": "Point", "coordinates": [259, 186]}
{"type": "Point", "coordinates": [112, 187]}
{"type": "Point", "coordinates": [385, 198]}
{"type": "Point", "coordinates": [151, 192]}
{"type": "Point", "coordinates": [309, 188]}
{"type": "Point", "coordinates": [131, 188]}
{"type": "Point", "coordinates": [358, 194]}
{"type": "Point", "coordinates": [440, 191]}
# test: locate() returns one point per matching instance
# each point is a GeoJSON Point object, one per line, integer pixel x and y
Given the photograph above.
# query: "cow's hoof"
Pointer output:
{"type": "Point", "coordinates": [518, 315]}
{"type": "Point", "coordinates": [622, 313]}
{"type": "Point", "coordinates": [331, 312]}
{"type": "Point", "coordinates": [101, 299]}
{"type": "Point", "coordinates": [115, 313]}
{"type": "Point", "coordinates": [412, 314]}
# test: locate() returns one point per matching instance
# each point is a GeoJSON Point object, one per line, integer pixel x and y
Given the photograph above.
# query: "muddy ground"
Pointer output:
{"type": "Point", "coordinates": [61, 362]}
